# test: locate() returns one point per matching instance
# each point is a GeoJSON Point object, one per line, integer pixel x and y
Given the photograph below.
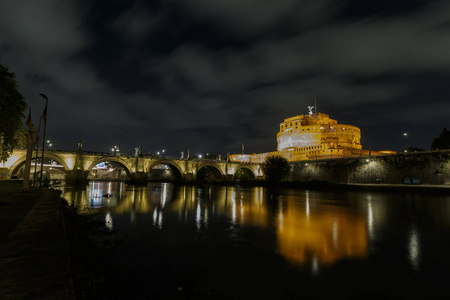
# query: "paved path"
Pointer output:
{"type": "Point", "coordinates": [33, 258]}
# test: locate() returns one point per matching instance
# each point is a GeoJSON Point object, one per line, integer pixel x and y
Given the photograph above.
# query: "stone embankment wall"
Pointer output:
{"type": "Point", "coordinates": [428, 167]}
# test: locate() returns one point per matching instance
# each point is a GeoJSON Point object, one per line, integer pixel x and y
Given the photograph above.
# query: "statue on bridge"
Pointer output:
{"type": "Point", "coordinates": [138, 151]}
{"type": "Point", "coordinates": [80, 145]}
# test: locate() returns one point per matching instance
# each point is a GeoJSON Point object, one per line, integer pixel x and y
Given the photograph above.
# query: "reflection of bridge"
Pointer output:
{"type": "Point", "coordinates": [307, 229]}
{"type": "Point", "coordinates": [182, 168]}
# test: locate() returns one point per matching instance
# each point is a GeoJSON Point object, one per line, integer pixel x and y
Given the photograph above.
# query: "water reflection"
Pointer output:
{"type": "Point", "coordinates": [307, 230]}
{"type": "Point", "coordinates": [319, 231]}
{"type": "Point", "coordinates": [310, 228]}
{"type": "Point", "coordinates": [96, 195]}
{"type": "Point", "coordinates": [385, 239]}
{"type": "Point", "coordinates": [414, 248]}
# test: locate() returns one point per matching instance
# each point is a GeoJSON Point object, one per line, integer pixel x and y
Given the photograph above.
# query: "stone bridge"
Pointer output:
{"type": "Point", "coordinates": [58, 164]}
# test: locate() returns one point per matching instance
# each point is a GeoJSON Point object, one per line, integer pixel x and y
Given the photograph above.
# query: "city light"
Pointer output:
{"type": "Point", "coordinates": [405, 134]}
{"type": "Point", "coordinates": [115, 150]}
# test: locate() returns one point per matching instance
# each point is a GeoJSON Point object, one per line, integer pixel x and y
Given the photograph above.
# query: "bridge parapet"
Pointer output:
{"type": "Point", "coordinates": [82, 162]}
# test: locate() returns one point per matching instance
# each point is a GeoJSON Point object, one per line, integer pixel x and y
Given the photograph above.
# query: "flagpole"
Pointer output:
{"type": "Point", "coordinates": [44, 116]}
{"type": "Point", "coordinates": [26, 175]}
{"type": "Point", "coordinates": [37, 152]}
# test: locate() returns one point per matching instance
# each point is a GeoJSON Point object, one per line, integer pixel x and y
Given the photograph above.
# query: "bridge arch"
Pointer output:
{"type": "Point", "coordinates": [113, 168]}
{"type": "Point", "coordinates": [209, 172]}
{"type": "Point", "coordinates": [115, 159]}
{"type": "Point", "coordinates": [174, 167]}
{"type": "Point", "coordinates": [247, 173]}
{"type": "Point", "coordinates": [20, 162]}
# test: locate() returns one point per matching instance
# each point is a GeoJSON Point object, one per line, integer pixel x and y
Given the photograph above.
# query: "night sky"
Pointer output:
{"type": "Point", "coordinates": [210, 75]}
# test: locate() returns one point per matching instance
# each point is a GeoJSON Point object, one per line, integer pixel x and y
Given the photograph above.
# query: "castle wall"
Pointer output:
{"type": "Point", "coordinates": [430, 167]}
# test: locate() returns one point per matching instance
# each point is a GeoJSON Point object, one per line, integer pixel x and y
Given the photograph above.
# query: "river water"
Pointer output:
{"type": "Point", "coordinates": [218, 242]}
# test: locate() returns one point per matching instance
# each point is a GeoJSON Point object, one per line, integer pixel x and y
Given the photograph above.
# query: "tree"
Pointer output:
{"type": "Point", "coordinates": [276, 168]}
{"type": "Point", "coordinates": [441, 142]}
{"type": "Point", "coordinates": [12, 106]}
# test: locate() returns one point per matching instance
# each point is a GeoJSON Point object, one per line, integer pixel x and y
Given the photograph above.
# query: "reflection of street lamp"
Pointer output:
{"type": "Point", "coordinates": [115, 150]}
{"type": "Point", "coordinates": [406, 137]}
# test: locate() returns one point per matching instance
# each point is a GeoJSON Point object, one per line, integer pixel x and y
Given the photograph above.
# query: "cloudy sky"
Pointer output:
{"type": "Point", "coordinates": [209, 75]}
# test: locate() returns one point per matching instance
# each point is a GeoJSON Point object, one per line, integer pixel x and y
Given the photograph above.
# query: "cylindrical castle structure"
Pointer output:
{"type": "Point", "coordinates": [317, 130]}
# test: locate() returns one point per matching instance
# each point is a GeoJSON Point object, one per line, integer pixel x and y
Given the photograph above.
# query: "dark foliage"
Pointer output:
{"type": "Point", "coordinates": [441, 142]}
{"type": "Point", "coordinates": [12, 105]}
{"type": "Point", "coordinates": [276, 168]}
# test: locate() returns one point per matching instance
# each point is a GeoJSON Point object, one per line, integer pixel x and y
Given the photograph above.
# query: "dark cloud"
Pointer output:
{"type": "Point", "coordinates": [211, 75]}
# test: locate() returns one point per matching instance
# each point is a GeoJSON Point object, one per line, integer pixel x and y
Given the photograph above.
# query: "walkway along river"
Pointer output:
{"type": "Point", "coordinates": [234, 243]}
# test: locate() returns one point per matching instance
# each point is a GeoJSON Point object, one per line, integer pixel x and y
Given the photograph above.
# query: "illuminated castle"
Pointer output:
{"type": "Point", "coordinates": [314, 136]}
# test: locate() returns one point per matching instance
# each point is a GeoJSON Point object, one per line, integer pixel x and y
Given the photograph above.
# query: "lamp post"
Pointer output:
{"type": "Point", "coordinates": [44, 117]}
{"type": "Point", "coordinates": [405, 134]}
{"type": "Point", "coordinates": [115, 150]}
{"type": "Point", "coordinates": [37, 152]}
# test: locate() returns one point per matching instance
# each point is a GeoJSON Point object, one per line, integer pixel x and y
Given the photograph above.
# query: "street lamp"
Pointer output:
{"type": "Point", "coordinates": [49, 144]}
{"type": "Point", "coordinates": [43, 118]}
{"type": "Point", "coordinates": [405, 134]}
{"type": "Point", "coordinates": [115, 150]}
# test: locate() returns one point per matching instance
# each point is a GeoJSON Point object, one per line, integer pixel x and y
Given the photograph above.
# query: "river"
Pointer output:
{"type": "Point", "coordinates": [230, 242]}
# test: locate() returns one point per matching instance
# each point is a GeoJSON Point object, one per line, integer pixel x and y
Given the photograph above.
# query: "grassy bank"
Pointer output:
{"type": "Point", "coordinates": [14, 205]}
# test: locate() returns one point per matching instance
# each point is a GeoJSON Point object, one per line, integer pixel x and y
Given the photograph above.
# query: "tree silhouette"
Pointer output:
{"type": "Point", "coordinates": [12, 105]}
{"type": "Point", "coordinates": [441, 142]}
{"type": "Point", "coordinates": [276, 168]}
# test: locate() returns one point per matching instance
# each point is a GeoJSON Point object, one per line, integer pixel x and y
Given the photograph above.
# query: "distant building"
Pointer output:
{"type": "Point", "coordinates": [314, 136]}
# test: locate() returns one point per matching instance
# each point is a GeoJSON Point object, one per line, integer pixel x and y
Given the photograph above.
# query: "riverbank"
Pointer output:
{"type": "Point", "coordinates": [34, 262]}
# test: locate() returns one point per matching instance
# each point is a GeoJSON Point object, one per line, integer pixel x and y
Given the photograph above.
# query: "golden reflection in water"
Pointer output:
{"type": "Point", "coordinates": [241, 206]}
{"type": "Point", "coordinates": [323, 236]}
{"type": "Point", "coordinates": [308, 230]}
{"type": "Point", "coordinates": [247, 208]}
